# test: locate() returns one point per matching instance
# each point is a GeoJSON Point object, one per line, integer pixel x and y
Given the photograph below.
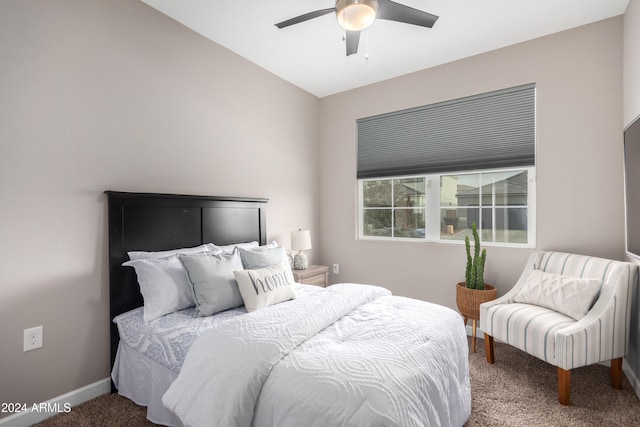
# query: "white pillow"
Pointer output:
{"type": "Point", "coordinates": [264, 256]}
{"type": "Point", "coordinates": [248, 245]}
{"type": "Point", "coordinates": [231, 248]}
{"type": "Point", "coordinates": [265, 286]}
{"type": "Point", "coordinates": [163, 254]}
{"type": "Point", "coordinates": [214, 286]}
{"type": "Point", "coordinates": [164, 285]}
{"type": "Point", "coordinates": [572, 296]}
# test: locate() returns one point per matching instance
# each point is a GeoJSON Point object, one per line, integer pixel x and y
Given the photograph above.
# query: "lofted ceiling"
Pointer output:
{"type": "Point", "coordinates": [311, 55]}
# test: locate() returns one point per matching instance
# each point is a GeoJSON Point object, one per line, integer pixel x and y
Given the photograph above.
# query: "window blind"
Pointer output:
{"type": "Point", "coordinates": [485, 131]}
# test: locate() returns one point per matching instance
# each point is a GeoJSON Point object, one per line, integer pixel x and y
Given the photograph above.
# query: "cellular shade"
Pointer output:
{"type": "Point", "coordinates": [486, 131]}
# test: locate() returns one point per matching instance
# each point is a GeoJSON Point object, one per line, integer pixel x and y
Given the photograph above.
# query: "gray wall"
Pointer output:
{"type": "Point", "coordinates": [98, 95]}
{"type": "Point", "coordinates": [631, 71]}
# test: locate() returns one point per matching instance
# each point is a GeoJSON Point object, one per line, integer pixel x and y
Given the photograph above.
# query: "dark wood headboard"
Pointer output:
{"type": "Point", "coordinates": [156, 222]}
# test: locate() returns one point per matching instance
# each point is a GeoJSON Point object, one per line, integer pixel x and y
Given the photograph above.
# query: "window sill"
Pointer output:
{"type": "Point", "coordinates": [445, 242]}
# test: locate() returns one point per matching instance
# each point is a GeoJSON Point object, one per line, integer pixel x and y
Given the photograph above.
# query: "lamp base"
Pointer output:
{"type": "Point", "coordinates": [300, 261]}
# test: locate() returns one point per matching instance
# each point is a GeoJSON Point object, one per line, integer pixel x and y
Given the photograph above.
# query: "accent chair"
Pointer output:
{"type": "Point", "coordinates": [569, 310]}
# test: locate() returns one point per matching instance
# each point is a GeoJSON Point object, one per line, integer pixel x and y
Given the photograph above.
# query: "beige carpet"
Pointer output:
{"type": "Point", "coordinates": [521, 390]}
{"type": "Point", "coordinates": [518, 390]}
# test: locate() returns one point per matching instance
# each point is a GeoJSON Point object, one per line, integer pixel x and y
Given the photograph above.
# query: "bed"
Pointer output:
{"type": "Point", "coordinates": [350, 354]}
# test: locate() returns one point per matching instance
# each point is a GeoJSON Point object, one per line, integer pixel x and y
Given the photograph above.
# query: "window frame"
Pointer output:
{"type": "Point", "coordinates": [433, 208]}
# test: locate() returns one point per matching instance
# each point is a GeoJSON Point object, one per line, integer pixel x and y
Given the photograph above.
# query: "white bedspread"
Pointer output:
{"type": "Point", "coordinates": [349, 355]}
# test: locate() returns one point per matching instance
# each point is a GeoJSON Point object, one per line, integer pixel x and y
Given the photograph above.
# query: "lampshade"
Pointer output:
{"type": "Point", "coordinates": [300, 240]}
{"type": "Point", "coordinates": [356, 15]}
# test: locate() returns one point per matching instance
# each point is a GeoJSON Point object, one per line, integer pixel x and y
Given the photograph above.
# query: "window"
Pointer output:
{"type": "Point", "coordinates": [500, 202]}
{"type": "Point", "coordinates": [428, 173]}
{"type": "Point", "coordinates": [394, 207]}
{"type": "Point", "coordinates": [497, 201]}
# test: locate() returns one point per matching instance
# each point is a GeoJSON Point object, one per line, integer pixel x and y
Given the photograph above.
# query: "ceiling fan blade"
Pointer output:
{"type": "Point", "coordinates": [305, 17]}
{"type": "Point", "coordinates": [353, 39]}
{"type": "Point", "coordinates": [393, 11]}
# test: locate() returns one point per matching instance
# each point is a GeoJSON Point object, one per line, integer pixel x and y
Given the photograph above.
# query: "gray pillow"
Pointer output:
{"type": "Point", "coordinates": [263, 257]}
{"type": "Point", "coordinates": [214, 287]}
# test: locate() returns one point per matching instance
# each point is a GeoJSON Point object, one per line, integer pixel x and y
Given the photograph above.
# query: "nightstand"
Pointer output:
{"type": "Point", "coordinates": [314, 275]}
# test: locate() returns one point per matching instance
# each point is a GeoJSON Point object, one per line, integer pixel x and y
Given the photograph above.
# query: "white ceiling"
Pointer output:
{"type": "Point", "coordinates": [311, 54]}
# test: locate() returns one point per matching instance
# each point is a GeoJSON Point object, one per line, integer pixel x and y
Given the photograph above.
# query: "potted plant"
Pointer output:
{"type": "Point", "coordinates": [474, 273]}
{"type": "Point", "coordinates": [474, 291]}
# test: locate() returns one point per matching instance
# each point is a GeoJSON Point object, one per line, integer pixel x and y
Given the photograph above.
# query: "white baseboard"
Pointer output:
{"type": "Point", "coordinates": [36, 413]}
{"type": "Point", "coordinates": [633, 380]}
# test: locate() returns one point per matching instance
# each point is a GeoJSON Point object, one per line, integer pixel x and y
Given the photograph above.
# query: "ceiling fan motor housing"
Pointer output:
{"type": "Point", "coordinates": [356, 15]}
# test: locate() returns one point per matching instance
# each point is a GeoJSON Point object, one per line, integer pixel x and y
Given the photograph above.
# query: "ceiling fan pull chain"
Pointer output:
{"type": "Point", "coordinates": [366, 45]}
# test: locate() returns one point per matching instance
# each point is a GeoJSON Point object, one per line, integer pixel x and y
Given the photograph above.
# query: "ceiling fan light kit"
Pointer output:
{"type": "Point", "coordinates": [356, 15]}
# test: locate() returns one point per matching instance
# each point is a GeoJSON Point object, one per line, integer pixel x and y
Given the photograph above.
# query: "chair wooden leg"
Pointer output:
{"type": "Point", "coordinates": [473, 335]}
{"type": "Point", "coordinates": [488, 347]}
{"type": "Point", "coordinates": [616, 373]}
{"type": "Point", "coordinates": [564, 386]}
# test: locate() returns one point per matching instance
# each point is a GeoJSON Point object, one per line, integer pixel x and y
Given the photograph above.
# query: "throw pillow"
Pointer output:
{"type": "Point", "coordinates": [572, 296]}
{"type": "Point", "coordinates": [265, 286]}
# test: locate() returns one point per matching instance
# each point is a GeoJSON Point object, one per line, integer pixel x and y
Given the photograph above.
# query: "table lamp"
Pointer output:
{"type": "Point", "coordinates": [300, 241]}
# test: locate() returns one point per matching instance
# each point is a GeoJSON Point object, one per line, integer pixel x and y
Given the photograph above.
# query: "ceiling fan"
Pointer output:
{"type": "Point", "coordinates": [357, 15]}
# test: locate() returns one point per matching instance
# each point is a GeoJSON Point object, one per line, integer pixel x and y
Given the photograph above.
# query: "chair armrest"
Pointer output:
{"type": "Point", "coordinates": [603, 333]}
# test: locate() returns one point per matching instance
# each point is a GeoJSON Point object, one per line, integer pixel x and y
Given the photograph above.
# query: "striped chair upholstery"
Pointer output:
{"type": "Point", "coordinates": [602, 335]}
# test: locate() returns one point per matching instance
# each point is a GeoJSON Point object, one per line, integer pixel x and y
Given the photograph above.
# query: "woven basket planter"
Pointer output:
{"type": "Point", "coordinates": [469, 300]}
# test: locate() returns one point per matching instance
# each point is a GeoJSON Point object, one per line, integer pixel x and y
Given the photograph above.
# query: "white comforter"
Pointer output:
{"type": "Point", "coordinates": [348, 355]}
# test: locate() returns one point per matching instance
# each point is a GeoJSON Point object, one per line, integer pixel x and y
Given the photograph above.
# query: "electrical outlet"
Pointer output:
{"type": "Point", "coordinates": [32, 338]}
{"type": "Point", "coordinates": [336, 268]}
